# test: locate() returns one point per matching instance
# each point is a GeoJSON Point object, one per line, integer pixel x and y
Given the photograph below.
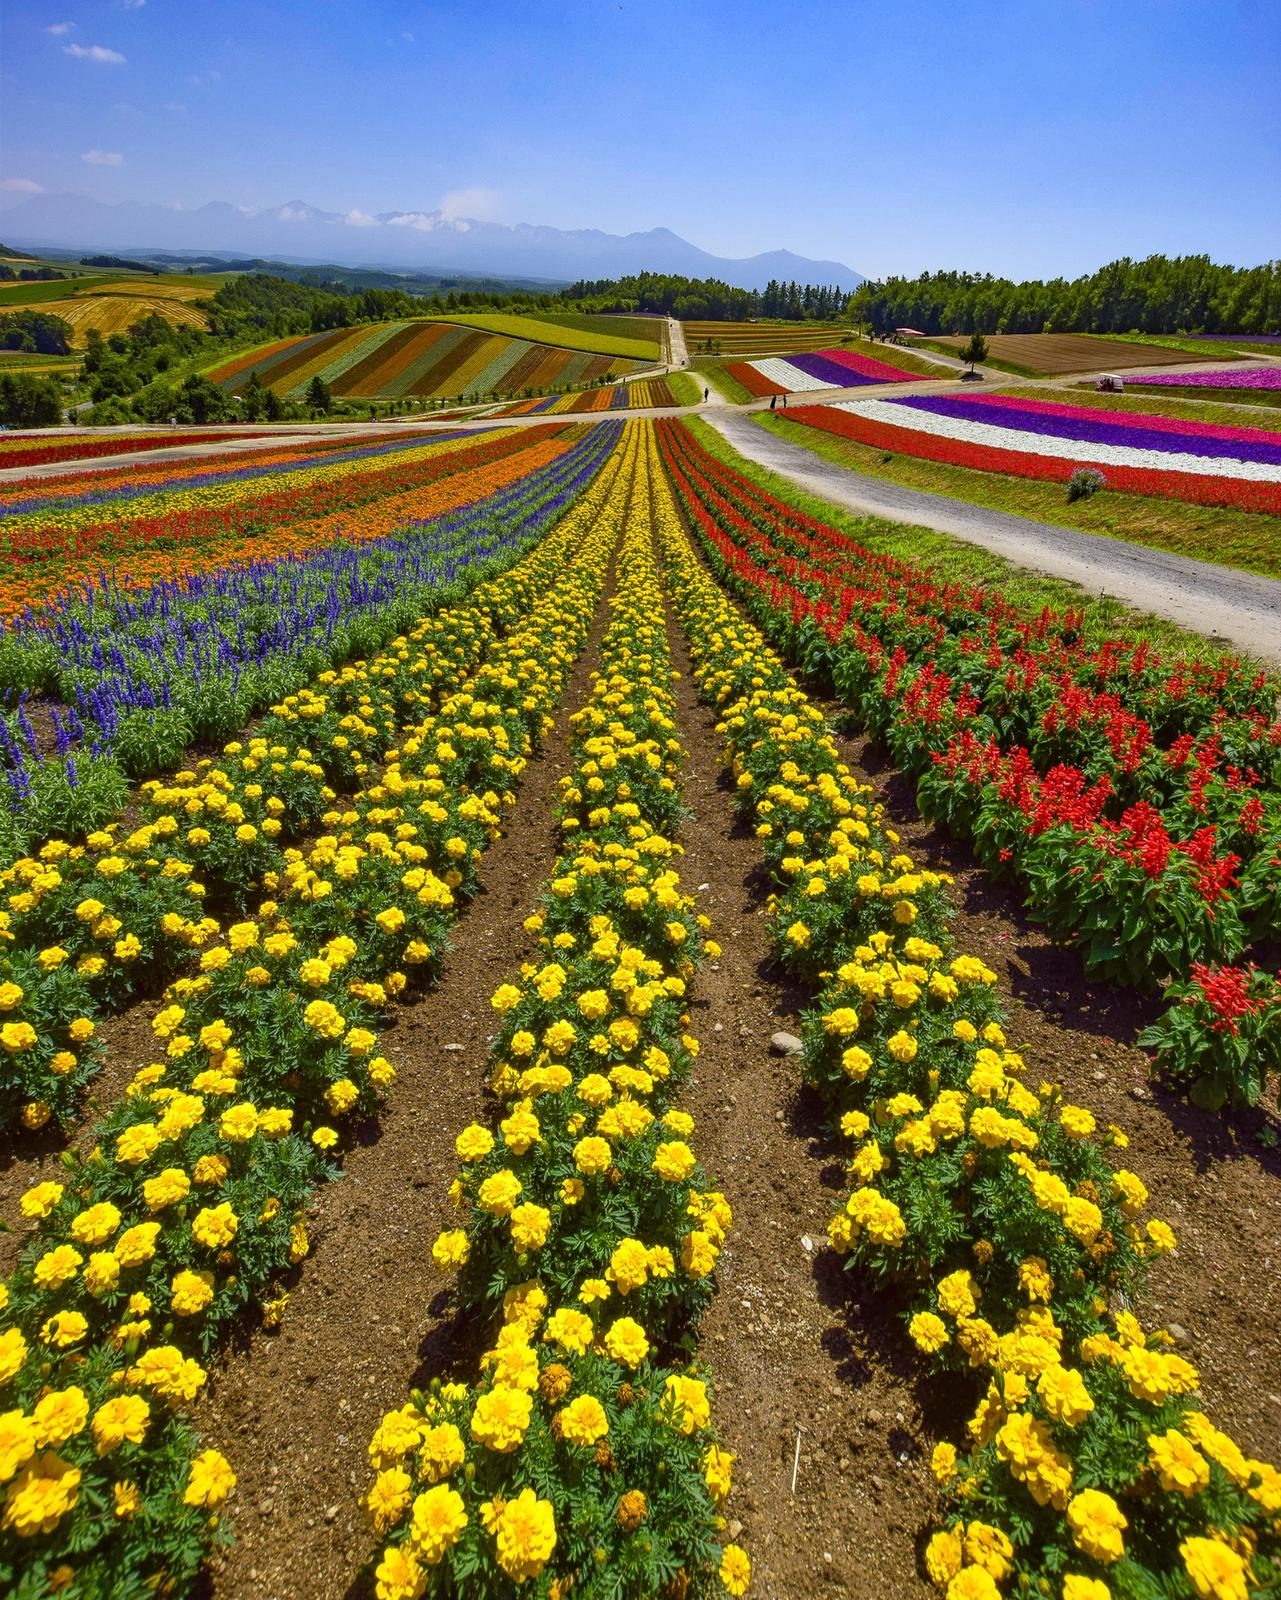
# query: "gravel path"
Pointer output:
{"type": "Point", "coordinates": [1238, 607]}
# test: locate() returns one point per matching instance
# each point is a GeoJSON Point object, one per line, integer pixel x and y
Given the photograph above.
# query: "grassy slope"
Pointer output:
{"type": "Point", "coordinates": [713, 373]}
{"type": "Point", "coordinates": [1249, 540]}
{"type": "Point", "coordinates": [952, 560]}
{"type": "Point", "coordinates": [687, 389]}
{"type": "Point", "coordinates": [555, 333]}
{"type": "Point", "coordinates": [32, 294]}
{"type": "Point", "coordinates": [648, 330]}
{"type": "Point", "coordinates": [1204, 399]}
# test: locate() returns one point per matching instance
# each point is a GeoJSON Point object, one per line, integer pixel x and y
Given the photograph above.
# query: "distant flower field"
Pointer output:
{"type": "Point", "coordinates": [1206, 463]}
{"type": "Point", "coordinates": [1237, 378]}
{"type": "Point", "coordinates": [815, 369]}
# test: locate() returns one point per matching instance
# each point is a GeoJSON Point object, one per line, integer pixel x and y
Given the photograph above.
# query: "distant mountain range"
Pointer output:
{"type": "Point", "coordinates": [416, 239]}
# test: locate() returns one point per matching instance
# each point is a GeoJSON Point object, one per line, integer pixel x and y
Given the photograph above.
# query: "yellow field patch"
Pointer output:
{"type": "Point", "coordinates": [113, 313]}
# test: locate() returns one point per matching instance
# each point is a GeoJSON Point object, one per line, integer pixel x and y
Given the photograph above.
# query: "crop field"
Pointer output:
{"type": "Point", "coordinates": [112, 303]}
{"type": "Point", "coordinates": [620, 876]}
{"type": "Point", "coordinates": [1049, 354]}
{"type": "Point", "coordinates": [634, 337]}
{"type": "Point", "coordinates": [761, 338]}
{"type": "Point", "coordinates": [410, 360]}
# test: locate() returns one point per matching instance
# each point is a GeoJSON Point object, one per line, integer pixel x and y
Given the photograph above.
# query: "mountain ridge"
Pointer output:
{"type": "Point", "coordinates": [419, 239]}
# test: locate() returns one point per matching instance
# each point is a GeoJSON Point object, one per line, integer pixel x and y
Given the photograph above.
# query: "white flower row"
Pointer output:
{"type": "Point", "coordinates": [786, 375]}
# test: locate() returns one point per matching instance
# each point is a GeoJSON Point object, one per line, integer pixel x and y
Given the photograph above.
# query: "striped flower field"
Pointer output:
{"type": "Point", "coordinates": [817, 369]}
{"type": "Point", "coordinates": [414, 360]}
{"type": "Point", "coordinates": [486, 818]}
{"type": "Point", "coordinates": [1206, 463]}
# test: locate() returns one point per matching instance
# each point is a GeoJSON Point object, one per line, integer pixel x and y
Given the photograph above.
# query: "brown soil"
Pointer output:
{"type": "Point", "coordinates": [369, 1317]}
{"type": "Point", "coordinates": [796, 1345]}
{"type": "Point", "coordinates": [1053, 353]}
{"type": "Point", "coordinates": [1210, 1175]}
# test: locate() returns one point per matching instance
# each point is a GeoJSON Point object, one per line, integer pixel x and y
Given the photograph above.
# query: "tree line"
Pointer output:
{"type": "Point", "coordinates": [1160, 294]}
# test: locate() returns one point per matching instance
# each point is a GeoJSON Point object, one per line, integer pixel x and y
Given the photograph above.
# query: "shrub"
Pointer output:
{"type": "Point", "coordinates": [1085, 482]}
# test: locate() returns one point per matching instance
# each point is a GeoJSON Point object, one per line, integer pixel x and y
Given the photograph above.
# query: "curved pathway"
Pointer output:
{"type": "Point", "coordinates": [1238, 607]}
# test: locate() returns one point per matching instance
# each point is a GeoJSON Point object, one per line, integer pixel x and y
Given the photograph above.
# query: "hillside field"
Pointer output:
{"type": "Point", "coordinates": [418, 360]}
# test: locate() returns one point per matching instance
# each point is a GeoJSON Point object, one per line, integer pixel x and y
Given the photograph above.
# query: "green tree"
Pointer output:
{"type": "Point", "coordinates": [27, 401]}
{"type": "Point", "coordinates": [319, 395]}
{"type": "Point", "coordinates": [976, 350]}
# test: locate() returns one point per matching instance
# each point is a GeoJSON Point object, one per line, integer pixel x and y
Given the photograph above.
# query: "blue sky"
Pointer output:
{"type": "Point", "coordinates": [1028, 137]}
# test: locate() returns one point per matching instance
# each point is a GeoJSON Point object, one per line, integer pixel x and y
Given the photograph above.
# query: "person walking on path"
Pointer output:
{"type": "Point", "coordinates": [784, 402]}
{"type": "Point", "coordinates": [706, 394]}
{"type": "Point", "coordinates": [773, 401]}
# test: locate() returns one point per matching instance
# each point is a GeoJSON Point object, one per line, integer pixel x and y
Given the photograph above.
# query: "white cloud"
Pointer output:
{"type": "Point", "coordinates": [57, 28]}
{"type": "Point", "coordinates": [361, 219]}
{"type": "Point", "coordinates": [201, 78]}
{"type": "Point", "coordinates": [133, 5]}
{"type": "Point", "coordinates": [407, 37]}
{"type": "Point", "coordinates": [173, 105]}
{"type": "Point", "coordinates": [20, 186]}
{"type": "Point", "coordinates": [94, 52]}
{"type": "Point", "coordinates": [103, 158]}
{"type": "Point", "coordinates": [478, 203]}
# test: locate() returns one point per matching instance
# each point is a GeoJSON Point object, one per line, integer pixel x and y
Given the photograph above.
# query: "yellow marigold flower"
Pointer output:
{"type": "Point", "coordinates": [525, 1535]}
{"type": "Point", "coordinates": [13, 1354]}
{"type": "Point", "coordinates": [59, 1415]}
{"type": "Point", "coordinates": [989, 1549]}
{"type": "Point", "coordinates": [191, 1292]}
{"type": "Point", "coordinates": [674, 1161]}
{"type": "Point", "coordinates": [437, 1523]}
{"type": "Point", "coordinates": [474, 1143]}
{"type": "Point", "coordinates": [943, 1556]}
{"type": "Point", "coordinates": [500, 1418]}
{"type": "Point", "coordinates": [40, 1200]}
{"type": "Point", "coordinates": [1075, 1587]}
{"type": "Point", "coordinates": [530, 1225]}
{"type": "Point", "coordinates": [64, 1329]}
{"type": "Point", "coordinates": [210, 1480]}
{"type": "Point", "coordinates": [583, 1420]}
{"type": "Point", "coordinates": [735, 1569]}
{"type": "Point", "coordinates": [388, 1498]}
{"type": "Point", "coordinates": [41, 1495]}
{"type": "Point", "coordinates": [685, 1404]}
{"type": "Point", "coordinates": [119, 1421]}
{"type": "Point", "coordinates": [1215, 1570]}
{"type": "Point", "coordinates": [1064, 1395]}
{"type": "Point", "coordinates": [973, 1583]}
{"type": "Point", "coordinates": [928, 1332]}
{"type": "Point", "coordinates": [943, 1462]}
{"type": "Point", "coordinates": [1179, 1465]}
{"type": "Point", "coordinates": [17, 1442]}
{"type": "Point", "coordinates": [57, 1266]}
{"type": "Point", "coordinates": [1097, 1523]}
{"type": "Point", "coordinates": [215, 1226]}
{"type": "Point", "coordinates": [718, 1472]}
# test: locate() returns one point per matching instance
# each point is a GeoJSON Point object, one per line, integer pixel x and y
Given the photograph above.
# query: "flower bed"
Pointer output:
{"type": "Point", "coordinates": [589, 1231]}
{"type": "Point", "coordinates": [38, 450]}
{"type": "Point", "coordinates": [1135, 452]}
{"type": "Point", "coordinates": [818, 369]}
{"type": "Point", "coordinates": [1137, 800]}
{"type": "Point", "coordinates": [89, 928]}
{"type": "Point", "coordinates": [1087, 1469]}
{"type": "Point", "coordinates": [1238, 378]}
{"type": "Point", "coordinates": [139, 676]}
{"type": "Point", "coordinates": [189, 1204]}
